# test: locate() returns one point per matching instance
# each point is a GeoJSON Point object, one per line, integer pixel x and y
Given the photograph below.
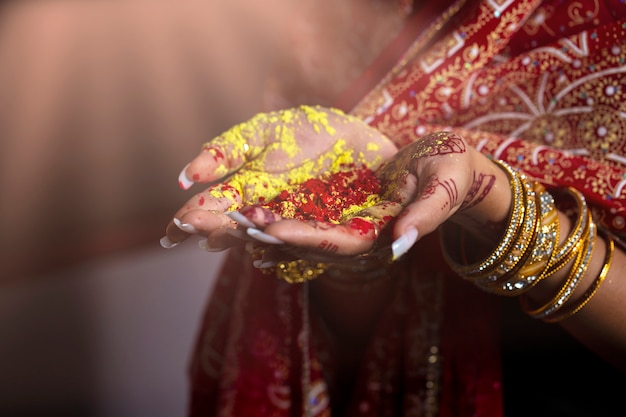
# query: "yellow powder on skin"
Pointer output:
{"type": "Point", "coordinates": [371, 201]}
{"type": "Point", "coordinates": [267, 133]}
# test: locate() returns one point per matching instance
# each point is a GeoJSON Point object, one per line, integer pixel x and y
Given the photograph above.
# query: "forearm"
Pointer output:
{"type": "Point", "coordinates": [599, 322]}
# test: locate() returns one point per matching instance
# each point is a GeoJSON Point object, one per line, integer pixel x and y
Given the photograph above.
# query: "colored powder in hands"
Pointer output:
{"type": "Point", "coordinates": [331, 197]}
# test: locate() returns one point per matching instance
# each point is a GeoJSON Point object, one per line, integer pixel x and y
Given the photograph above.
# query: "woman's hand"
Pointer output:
{"type": "Point", "coordinates": [256, 160]}
{"type": "Point", "coordinates": [435, 180]}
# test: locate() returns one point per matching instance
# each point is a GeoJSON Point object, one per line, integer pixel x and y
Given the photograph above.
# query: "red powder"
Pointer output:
{"type": "Point", "coordinates": [217, 154]}
{"type": "Point", "coordinates": [363, 226]}
{"type": "Point", "coordinates": [326, 198]}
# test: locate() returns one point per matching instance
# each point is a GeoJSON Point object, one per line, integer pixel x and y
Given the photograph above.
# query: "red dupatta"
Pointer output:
{"type": "Point", "coordinates": [538, 84]}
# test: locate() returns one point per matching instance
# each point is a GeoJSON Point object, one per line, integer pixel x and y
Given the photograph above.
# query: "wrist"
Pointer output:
{"type": "Point", "coordinates": [486, 210]}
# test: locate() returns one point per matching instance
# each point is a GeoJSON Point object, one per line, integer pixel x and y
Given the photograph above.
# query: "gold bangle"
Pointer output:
{"type": "Point", "coordinates": [519, 251]}
{"type": "Point", "coordinates": [299, 271]}
{"type": "Point", "coordinates": [543, 251]}
{"type": "Point", "coordinates": [591, 291]}
{"type": "Point", "coordinates": [570, 247]}
{"type": "Point", "coordinates": [571, 282]}
{"type": "Point", "coordinates": [492, 281]}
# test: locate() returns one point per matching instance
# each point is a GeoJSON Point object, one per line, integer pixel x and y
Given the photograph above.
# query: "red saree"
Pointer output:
{"type": "Point", "coordinates": [538, 84]}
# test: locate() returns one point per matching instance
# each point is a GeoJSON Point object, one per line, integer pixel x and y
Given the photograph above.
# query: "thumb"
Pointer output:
{"type": "Point", "coordinates": [437, 201]}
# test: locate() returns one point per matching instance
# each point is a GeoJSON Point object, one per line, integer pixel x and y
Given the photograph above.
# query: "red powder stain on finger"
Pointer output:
{"type": "Point", "coordinates": [201, 202]}
{"type": "Point", "coordinates": [361, 225]}
{"type": "Point", "coordinates": [196, 177]}
{"type": "Point", "coordinates": [217, 154]}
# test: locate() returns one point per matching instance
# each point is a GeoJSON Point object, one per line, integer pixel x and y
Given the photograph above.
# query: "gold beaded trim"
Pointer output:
{"type": "Point", "coordinates": [299, 271]}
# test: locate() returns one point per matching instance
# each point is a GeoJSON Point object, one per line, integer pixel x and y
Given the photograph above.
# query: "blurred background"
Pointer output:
{"type": "Point", "coordinates": [101, 105]}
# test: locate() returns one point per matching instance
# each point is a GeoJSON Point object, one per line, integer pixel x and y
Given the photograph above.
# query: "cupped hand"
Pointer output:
{"type": "Point", "coordinates": [435, 180]}
{"type": "Point", "coordinates": [273, 152]}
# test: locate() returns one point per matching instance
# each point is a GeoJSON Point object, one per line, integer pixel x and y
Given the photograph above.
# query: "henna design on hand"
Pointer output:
{"type": "Point", "coordinates": [442, 143]}
{"type": "Point", "coordinates": [329, 247]}
{"type": "Point", "coordinates": [449, 186]}
{"type": "Point", "coordinates": [478, 191]}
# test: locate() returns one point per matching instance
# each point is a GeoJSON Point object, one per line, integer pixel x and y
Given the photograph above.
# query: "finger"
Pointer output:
{"type": "Point", "coordinates": [201, 222]}
{"type": "Point", "coordinates": [351, 238]}
{"type": "Point", "coordinates": [210, 165]}
{"type": "Point", "coordinates": [201, 214]}
{"type": "Point", "coordinates": [228, 152]}
{"type": "Point", "coordinates": [244, 142]}
{"type": "Point", "coordinates": [256, 216]}
{"type": "Point", "coordinates": [224, 238]}
{"type": "Point", "coordinates": [439, 197]}
{"type": "Point", "coordinates": [220, 197]}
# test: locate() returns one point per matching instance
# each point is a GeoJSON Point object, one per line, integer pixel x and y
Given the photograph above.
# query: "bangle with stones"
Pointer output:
{"type": "Point", "coordinates": [574, 276]}
{"type": "Point", "coordinates": [520, 251]}
{"type": "Point", "coordinates": [570, 247]}
{"type": "Point", "coordinates": [576, 306]}
{"type": "Point", "coordinates": [535, 269]}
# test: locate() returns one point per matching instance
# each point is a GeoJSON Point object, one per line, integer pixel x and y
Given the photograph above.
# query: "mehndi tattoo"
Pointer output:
{"type": "Point", "coordinates": [441, 143]}
{"type": "Point", "coordinates": [479, 189]}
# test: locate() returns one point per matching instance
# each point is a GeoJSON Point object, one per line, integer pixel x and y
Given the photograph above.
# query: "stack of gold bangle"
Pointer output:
{"type": "Point", "coordinates": [529, 251]}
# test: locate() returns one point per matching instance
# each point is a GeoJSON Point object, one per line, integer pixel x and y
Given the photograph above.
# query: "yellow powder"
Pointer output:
{"type": "Point", "coordinates": [249, 143]}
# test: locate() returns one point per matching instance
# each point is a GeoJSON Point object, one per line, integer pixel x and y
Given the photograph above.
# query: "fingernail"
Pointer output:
{"type": "Point", "coordinates": [204, 245]}
{"type": "Point", "coordinates": [240, 218]}
{"type": "Point", "coordinates": [237, 233]}
{"type": "Point", "coordinates": [183, 180]}
{"type": "Point", "coordinates": [402, 244]}
{"type": "Point", "coordinates": [185, 227]}
{"type": "Point", "coordinates": [167, 243]}
{"type": "Point", "coordinates": [264, 237]}
{"type": "Point", "coordinates": [259, 263]}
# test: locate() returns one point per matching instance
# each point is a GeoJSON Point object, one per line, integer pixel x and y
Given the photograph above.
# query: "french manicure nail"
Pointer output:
{"type": "Point", "coordinates": [402, 244]}
{"type": "Point", "coordinates": [240, 218]}
{"type": "Point", "coordinates": [185, 227]}
{"type": "Point", "coordinates": [167, 243]}
{"type": "Point", "coordinates": [264, 237]}
{"type": "Point", "coordinates": [183, 180]}
{"type": "Point", "coordinates": [259, 263]}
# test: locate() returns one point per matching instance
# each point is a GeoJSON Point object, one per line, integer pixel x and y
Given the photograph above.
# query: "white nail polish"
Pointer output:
{"type": "Point", "coordinates": [259, 263]}
{"type": "Point", "coordinates": [264, 237]}
{"type": "Point", "coordinates": [185, 227]}
{"type": "Point", "coordinates": [402, 244]}
{"type": "Point", "coordinates": [167, 243]}
{"type": "Point", "coordinates": [240, 218]}
{"type": "Point", "coordinates": [183, 180]}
